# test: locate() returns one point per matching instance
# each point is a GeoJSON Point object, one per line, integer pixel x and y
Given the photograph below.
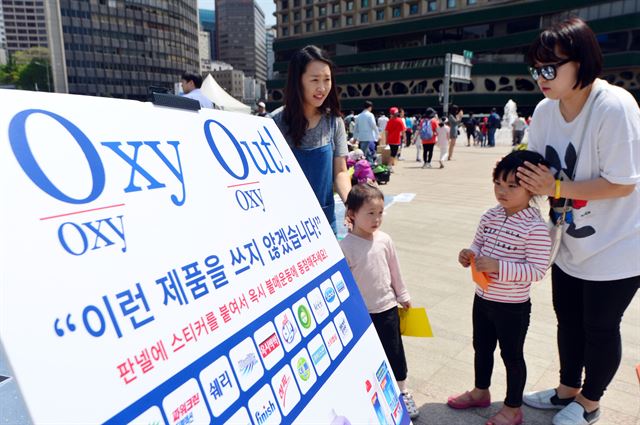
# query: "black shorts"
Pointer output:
{"type": "Point", "coordinates": [394, 150]}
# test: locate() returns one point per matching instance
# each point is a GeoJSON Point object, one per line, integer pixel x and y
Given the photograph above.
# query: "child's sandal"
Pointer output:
{"type": "Point", "coordinates": [466, 401]}
{"type": "Point", "coordinates": [501, 419]}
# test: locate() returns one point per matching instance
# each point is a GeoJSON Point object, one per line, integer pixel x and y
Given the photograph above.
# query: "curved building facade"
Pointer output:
{"type": "Point", "coordinates": [392, 52]}
{"type": "Point", "coordinates": [118, 48]}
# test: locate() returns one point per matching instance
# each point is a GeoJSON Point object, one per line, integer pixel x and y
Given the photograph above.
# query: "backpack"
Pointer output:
{"type": "Point", "coordinates": [494, 121]}
{"type": "Point", "coordinates": [426, 131]}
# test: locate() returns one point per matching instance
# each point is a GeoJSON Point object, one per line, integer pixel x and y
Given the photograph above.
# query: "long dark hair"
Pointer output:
{"type": "Point", "coordinates": [293, 94]}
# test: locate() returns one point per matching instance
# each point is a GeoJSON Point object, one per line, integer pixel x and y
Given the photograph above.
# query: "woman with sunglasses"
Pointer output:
{"type": "Point", "coordinates": [589, 131]}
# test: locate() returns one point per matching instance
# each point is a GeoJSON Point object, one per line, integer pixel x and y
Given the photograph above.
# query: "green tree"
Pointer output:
{"type": "Point", "coordinates": [28, 70]}
{"type": "Point", "coordinates": [9, 73]}
{"type": "Point", "coordinates": [35, 76]}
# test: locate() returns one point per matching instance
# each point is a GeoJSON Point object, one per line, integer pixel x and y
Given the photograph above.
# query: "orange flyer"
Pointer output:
{"type": "Point", "coordinates": [480, 278]}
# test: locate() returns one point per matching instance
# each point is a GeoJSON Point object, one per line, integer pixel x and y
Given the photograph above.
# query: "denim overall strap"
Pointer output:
{"type": "Point", "coordinates": [317, 166]}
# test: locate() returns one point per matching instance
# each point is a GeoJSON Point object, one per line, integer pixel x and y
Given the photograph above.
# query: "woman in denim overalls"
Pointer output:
{"type": "Point", "coordinates": [311, 123]}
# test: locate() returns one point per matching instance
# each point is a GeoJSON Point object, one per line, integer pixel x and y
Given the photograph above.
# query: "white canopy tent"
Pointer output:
{"type": "Point", "coordinates": [223, 100]}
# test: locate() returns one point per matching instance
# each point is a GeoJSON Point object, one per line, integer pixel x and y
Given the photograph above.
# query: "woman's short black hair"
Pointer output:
{"type": "Point", "coordinates": [361, 193]}
{"type": "Point", "coordinates": [510, 163]}
{"type": "Point", "coordinates": [575, 41]}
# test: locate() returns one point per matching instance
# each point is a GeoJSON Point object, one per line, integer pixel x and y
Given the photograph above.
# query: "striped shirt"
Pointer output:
{"type": "Point", "coordinates": [522, 246]}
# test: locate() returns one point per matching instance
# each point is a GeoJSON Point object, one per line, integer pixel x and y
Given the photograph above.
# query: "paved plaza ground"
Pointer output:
{"type": "Point", "coordinates": [428, 233]}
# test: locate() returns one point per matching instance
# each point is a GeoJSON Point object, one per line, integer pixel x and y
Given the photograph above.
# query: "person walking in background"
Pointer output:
{"type": "Point", "coordinates": [519, 126]}
{"type": "Point", "coordinates": [589, 131]}
{"type": "Point", "coordinates": [454, 120]}
{"type": "Point", "coordinates": [408, 132]}
{"type": "Point", "coordinates": [493, 124]}
{"type": "Point", "coordinates": [403, 138]}
{"type": "Point", "coordinates": [512, 247]}
{"type": "Point", "coordinates": [428, 126]}
{"type": "Point", "coordinates": [470, 127]}
{"type": "Point", "coordinates": [349, 124]}
{"type": "Point", "coordinates": [262, 110]}
{"type": "Point", "coordinates": [484, 131]}
{"type": "Point", "coordinates": [366, 131]}
{"type": "Point", "coordinates": [311, 123]}
{"type": "Point", "coordinates": [191, 84]}
{"type": "Point", "coordinates": [395, 132]}
{"type": "Point", "coordinates": [442, 139]}
{"type": "Point", "coordinates": [416, 138]}
{"type": "Point", "coordinates": [382, 124]}
{"type": "Point", "coordinates": [374, 263]}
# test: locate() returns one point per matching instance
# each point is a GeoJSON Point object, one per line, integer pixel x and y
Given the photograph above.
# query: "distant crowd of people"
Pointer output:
{"type": "Point", "coordinates": [366, 131]}
{"type": "Point", "coordinates": [425, 131]}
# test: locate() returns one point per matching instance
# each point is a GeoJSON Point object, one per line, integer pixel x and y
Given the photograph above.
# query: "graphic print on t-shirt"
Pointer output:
{"type": "Point", "coordinates": [570, 160]}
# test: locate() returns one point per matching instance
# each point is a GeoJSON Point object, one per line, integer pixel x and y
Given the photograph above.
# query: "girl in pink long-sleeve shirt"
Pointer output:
{"type": "Point", "coordinates": [374, 263]}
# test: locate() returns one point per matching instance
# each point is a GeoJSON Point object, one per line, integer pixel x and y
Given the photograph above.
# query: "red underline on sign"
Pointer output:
{"type": "Point", "coordinates": [241, 184]}
{"type": "Point", "coordinates": [83, 211]}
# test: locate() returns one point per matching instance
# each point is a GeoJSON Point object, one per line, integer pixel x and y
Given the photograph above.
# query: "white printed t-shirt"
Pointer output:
{"type": "Point", "coordinates": [603, 243]}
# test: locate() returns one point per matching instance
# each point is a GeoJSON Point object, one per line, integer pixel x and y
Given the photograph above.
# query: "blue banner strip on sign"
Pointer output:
{"type": "Point", "coordinates": [358, 319]}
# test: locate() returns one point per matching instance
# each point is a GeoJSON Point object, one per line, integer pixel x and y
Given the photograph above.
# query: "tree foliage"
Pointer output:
{"type": "Point", "coordinates": [28, 70]}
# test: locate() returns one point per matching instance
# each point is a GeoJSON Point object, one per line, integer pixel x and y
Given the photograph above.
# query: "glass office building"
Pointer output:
{"type": "Point", "coordinates": [392, 51]}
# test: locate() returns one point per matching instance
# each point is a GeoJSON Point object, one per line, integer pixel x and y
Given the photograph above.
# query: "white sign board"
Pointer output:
{"type": "Point", "coordinates": [168, 266]}
{"type": "Point", "coordinates": [460, 69]}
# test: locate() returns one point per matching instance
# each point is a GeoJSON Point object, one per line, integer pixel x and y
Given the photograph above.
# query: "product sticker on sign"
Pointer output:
{"type": "Point", "coordinates": [305, 375]}
{"type": "Point", "coordinates": [341, 286]}
{"type": "Point", "coordinates": [286, 389]}
{"type": "Point", "coordinates": [183, 283]}
{"type": "Point", "coordinates": [269, 345]}
{"type": "Point", "coordinates": [319, 354]}
{"type": "Point", "coordinates": [330, 295]}
{"type": "Point", "coordinates": [318, 306]}
{"type": "Point", "coordinates": [305, 318]}
{"type": "Point", "coordinates": [220, 386]}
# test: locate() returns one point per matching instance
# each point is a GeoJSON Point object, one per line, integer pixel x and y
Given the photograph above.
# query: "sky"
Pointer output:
{"type": "Point", "coordinates": [267, 6]}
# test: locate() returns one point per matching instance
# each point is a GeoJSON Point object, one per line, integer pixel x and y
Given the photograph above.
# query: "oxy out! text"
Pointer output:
{"type": "Point", "coordinates": [259, 153]}
{"type": "Point", "coordinates": [141, 158]}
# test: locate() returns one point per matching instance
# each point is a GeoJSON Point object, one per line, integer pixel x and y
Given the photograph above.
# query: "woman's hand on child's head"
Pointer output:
{"type": "Point", "coordinates": [537, 179]}
{"type": "Point", "coordinates": [405, 304]}
{"type": "Point", "coordinates": [487, 265]}
{"type": "Point", "coordinates": [464, 258]}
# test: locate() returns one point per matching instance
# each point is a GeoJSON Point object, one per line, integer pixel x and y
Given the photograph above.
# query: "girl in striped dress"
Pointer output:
{"type": "Point", "coordinates": [512, 247]}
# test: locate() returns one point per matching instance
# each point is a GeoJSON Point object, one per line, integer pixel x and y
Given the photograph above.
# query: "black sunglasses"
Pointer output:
{"type": "Point", "coordinates": [548, 72]}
